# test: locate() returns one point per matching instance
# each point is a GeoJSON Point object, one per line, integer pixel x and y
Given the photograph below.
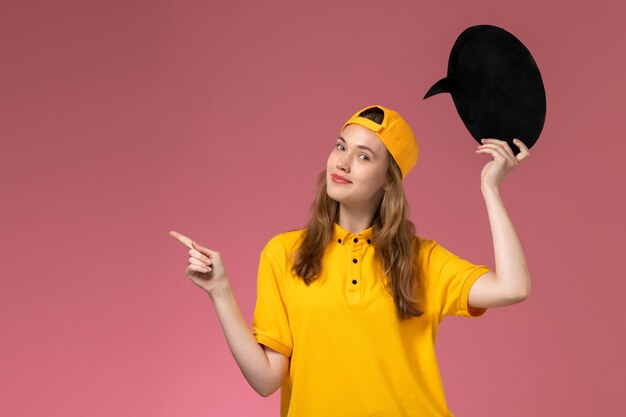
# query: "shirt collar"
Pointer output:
{"type": "Point", "coordinates": [343, 234]}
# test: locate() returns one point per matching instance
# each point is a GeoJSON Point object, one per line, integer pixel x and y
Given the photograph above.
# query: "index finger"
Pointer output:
{"type": "Point", "coordinates": [182, 239]}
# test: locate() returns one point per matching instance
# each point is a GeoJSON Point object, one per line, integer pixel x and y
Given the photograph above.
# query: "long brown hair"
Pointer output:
{"type": "Point", "coordinates": [394, 239]}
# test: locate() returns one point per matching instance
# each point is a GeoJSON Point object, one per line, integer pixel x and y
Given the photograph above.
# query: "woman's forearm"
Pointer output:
{"type": "Point", "coordinates": [248, 354]}
{"type": "Point", "coordinates": [511, 268]}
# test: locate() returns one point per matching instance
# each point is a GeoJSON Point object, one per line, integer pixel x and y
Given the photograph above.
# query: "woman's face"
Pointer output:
{"type": "Point", "coordinates": [360, 157]}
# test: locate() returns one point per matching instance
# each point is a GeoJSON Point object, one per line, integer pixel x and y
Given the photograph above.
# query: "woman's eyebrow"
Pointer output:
{"type": "Point", "coordinates": [358, 146]}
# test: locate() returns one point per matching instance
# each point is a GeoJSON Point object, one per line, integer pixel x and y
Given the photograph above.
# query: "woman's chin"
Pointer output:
{"type": "Point", "coordinates": [332, 194]}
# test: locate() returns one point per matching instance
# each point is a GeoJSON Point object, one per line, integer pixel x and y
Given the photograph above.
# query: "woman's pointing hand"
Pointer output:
{"type": "Point", "coordinates": [205, 268]}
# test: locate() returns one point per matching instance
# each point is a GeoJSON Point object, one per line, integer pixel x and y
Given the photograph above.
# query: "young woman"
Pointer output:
{"type": "Point", "coordinates": [348, 307]}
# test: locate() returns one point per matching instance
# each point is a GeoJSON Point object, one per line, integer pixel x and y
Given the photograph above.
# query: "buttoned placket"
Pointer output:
{"type": "Point", "coordinates": [355, 247]}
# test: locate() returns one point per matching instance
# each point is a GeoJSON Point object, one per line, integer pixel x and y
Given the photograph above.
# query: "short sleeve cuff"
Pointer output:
{"type": "Point", "coordinates": [464, 308]}
{"type": "Point", "coordinates": [273, 344]}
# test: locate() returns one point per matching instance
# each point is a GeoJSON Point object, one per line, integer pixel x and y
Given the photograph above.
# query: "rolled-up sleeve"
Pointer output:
{"type": "Point", "coordinates": [450, 279]}
{"type": "Point", "coordinates": [271, 321]}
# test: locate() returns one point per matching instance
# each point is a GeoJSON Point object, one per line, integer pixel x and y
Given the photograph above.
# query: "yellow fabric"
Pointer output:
{"type": "Point", "coordinates": [349, 353]}
{"type": "Point", "coordinates": [396, 135]}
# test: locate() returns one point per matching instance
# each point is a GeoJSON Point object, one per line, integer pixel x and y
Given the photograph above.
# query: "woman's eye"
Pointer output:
{"type": "Point", "coordinates": [339, 146]}
{"type": "Point", "coordinates": [365, 157]}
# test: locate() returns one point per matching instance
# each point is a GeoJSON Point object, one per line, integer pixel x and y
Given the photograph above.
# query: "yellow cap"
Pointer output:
{"type": "Point", "coordinates": [396, 135]}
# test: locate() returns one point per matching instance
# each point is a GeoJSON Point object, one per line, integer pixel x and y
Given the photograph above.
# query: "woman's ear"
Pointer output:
{"type": "Point", "coordinates": [387, 182]}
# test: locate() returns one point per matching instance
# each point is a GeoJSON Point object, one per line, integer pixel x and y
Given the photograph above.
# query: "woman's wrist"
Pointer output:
{"type": "Point", "coordinates": [489, 189]}
{"type": "Point", "coordinates": [221, 290]}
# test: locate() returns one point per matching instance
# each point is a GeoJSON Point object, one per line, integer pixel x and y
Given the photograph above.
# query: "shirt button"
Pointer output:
{"type": "Point", "coordinates": [356, 240]}
{"type": "Point", "coordinates": [369, 241]}
{"type": "Point", "coordinates": [354, 281]}
{"type": "Point", "coordinates": [354, 260]}
{"type": "Point", "coordinates": [339, 240]}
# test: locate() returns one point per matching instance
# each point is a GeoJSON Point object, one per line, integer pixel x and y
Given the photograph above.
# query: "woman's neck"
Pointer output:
{"type": "Point", "coordinates": [355, 220]}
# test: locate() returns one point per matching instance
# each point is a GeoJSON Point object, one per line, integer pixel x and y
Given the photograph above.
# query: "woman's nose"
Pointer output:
{"type": "Point", "coordinates": [343, 163]}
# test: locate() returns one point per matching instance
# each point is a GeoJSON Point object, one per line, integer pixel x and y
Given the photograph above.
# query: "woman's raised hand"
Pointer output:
{"type": "Point", "coordinates": [205, 266]}
{"type": "Point", "coordinates": [504, 161]}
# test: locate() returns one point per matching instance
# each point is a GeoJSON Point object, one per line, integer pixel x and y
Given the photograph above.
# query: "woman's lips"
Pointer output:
{"type": "Point", "coordinates": [339, 179]}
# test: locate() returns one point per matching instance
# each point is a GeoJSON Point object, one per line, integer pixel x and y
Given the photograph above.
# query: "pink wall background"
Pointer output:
{"type": "Point", "coordinates": [122, 120]}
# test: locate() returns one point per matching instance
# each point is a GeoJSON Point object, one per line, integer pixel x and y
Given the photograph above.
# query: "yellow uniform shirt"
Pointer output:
{"type": "Point", "coordinates": [349, 353]}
